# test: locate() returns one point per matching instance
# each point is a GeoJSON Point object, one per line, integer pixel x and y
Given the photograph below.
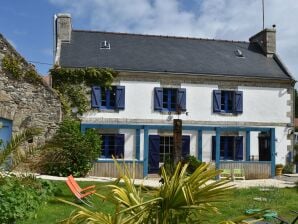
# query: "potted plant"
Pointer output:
{"type": "Point", "coordinates": [278, 169]}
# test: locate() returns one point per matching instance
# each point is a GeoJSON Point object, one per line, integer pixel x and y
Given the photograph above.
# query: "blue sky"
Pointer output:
{"type": "Point", "coordinates": [28, 24]}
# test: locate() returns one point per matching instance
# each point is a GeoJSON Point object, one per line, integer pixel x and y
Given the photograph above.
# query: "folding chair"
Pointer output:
{"type": "Point", "coordinates": [77, 186]}
{"type": "Point", "coordinates": [225, 174]}
{"type": "Point", "coordinates": [238, 174]}
{"type": "Point", "coordinates": [82, 197]}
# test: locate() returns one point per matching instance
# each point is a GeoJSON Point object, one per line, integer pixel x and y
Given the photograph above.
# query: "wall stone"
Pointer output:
{"type": "Point", "coordinates": [26, 104]}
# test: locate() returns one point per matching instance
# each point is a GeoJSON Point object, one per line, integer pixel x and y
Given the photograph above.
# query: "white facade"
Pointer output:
{"type": "Point", "coordinates": [260, 104]}
{"type": "Point", "coordinates": [265, 107]}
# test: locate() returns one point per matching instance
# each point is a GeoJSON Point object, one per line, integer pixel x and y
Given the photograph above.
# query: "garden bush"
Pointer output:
{"type": "Point", "coordinates": [71, 151]}
{"type": "Point", "coordinates": [20, 197]}
{"type": "Point", "coordinates": [193, 163]}
{"type": "Point", "coordinates": [288, 168]}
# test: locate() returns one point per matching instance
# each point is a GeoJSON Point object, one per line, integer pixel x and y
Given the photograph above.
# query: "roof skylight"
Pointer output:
{"type": "Point", "coordinates": [105, 45]}
{"type": "Point", "coordinates": [239, 53]}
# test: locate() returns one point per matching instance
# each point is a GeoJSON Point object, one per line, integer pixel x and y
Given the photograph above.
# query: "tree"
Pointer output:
{"type": "Point", "coordinates": [71, 151]}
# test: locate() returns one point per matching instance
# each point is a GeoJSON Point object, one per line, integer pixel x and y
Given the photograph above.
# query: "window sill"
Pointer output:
{"type": "Point", "coordinates": [169, 112]}
{"type": "Point", "coordinates": [106, 110]}
{"type": "Point", "coordinates": [228, 114]}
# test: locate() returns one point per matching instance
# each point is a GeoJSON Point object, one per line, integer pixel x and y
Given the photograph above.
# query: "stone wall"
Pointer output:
{"type": "Point", "coordinates": [26, 104]}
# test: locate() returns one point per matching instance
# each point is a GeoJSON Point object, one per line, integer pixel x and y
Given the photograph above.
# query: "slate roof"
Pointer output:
{"type": "Point", "coordinates": [135, 52]}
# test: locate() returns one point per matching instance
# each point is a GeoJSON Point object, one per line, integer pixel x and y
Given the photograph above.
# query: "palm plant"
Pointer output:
{"type": "Point", "coordinates": [181, 198]}
{"type": "Point", "coordinates": [16, 141]}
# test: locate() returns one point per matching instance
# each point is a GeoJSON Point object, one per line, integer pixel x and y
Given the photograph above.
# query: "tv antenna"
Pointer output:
{"type": "Point", "coordinates": [263, 9]}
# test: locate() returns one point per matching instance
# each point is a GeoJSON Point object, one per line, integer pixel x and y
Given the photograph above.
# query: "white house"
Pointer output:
{"type": "Point", "coordinates": [235, 98]}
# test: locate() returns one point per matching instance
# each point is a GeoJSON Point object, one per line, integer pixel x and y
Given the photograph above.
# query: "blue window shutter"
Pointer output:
{"type": "Point", "coordinates": [213, 147]}
{"type": "Point", "coordinates": [120, 97]}
{"type": "Point", "coordinates": [158, 97]}
{"type": "Point", "coordinates": [181, 99]}
{"type": "Point", "coordinates": [119, 145]}
{"type": "Point", "coordinates": [95, 97]}
{"type": "Point", "coordinates": [238, 102]}
{"type": "Point", "coordinates": [216, 101]}
{"type": "Point", "coordinates": [154, 157]}
{"type": "Point", "coordinates": [185, 145]}
{"type": "Point", "coordinates": [239, 147]}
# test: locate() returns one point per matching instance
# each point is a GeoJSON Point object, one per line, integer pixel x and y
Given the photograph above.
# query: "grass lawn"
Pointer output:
{"type": "Point", "coordinates": [280, 200]}
{"type": "Point", "coordinates": [54, 211]}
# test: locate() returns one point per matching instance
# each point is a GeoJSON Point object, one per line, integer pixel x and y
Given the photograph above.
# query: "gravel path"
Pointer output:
{"type": "Point", "coordinates": [280, 182]}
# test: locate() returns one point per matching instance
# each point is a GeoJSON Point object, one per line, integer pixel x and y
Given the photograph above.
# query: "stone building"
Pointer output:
{"type": "Point", "coordinates": [236, 98]}
{"type": "Point", "coordinates": [25, 104]}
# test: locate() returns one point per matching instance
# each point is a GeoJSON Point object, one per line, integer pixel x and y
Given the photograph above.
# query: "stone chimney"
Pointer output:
{"type": "Point", "coordinates": [266, 40]}
{"type": "Point", "coordinates": [62, 33]}
{"type": "Point", "coordinates": [63, 27]}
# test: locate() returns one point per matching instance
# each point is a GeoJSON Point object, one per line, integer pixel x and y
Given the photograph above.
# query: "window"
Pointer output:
{"type": "Point", "coordinates": [110, 98]}
{"type": "Point", "coordinates": [161, 147]}
{"type": "Point", "coordinates": [169, 99]}
{"type": "Point", "coordinates": [165, 148]}
{"type": "Point", "coordinates": [227, 101]}
{"type": "Point", "coordinates": [105, 45]}
{"type": "Point", "coordinates": [231, 147]}
{"type": "Point", "coordinates": [112, 144]}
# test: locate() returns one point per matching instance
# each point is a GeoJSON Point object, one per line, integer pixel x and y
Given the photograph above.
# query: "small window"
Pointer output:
{"type": "Point", "coordinates": [108, 98]}
{"type": "Point", "coordinates": [239, 53]}
{"type": "Point", "coordinates": [105, 45]}
{"type": "Point", "coordinates": [225, 101]}
{"type": "Point", "coordinates": [112, 145]}
{"type": "Point", "coordinates": [169, 99]}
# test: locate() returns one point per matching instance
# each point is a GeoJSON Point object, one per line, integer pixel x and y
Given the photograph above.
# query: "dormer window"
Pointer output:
{"type": "Point", "coordinates": [239, 53]}
{"type": "Point", "coordinates": [105, 45]}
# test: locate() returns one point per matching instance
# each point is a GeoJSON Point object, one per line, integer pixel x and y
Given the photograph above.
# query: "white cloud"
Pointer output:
{"type": "Point", "coordinates": [220, 19]}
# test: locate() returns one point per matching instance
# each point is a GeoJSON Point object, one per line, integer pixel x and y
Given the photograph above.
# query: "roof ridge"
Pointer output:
{"type": "Point", "coordinates": [162, 36]}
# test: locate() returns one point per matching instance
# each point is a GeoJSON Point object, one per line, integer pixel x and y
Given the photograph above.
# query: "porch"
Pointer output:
{"type": "Point", "coordinates": [141, 150]}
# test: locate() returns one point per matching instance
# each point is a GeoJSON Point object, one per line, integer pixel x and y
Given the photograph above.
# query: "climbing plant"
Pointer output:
{"type": "Point", "coordinates": [14, 65]}
{"type": "Point", "coordinates": [71, 85]}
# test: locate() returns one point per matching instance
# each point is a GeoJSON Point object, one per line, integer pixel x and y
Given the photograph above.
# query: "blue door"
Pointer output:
{"type": "Point", "coordinates": [5, 131]}
{"type": "Point", "coordinates": [154, 150]}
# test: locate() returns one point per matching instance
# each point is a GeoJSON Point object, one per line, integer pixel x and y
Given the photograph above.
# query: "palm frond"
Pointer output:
{"type": "Point", "coordinates": [16, 141]}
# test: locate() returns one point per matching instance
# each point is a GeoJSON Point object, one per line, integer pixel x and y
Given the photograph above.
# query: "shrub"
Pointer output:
{"type": "Point", "coordinates": [193, 163]}
{"type": "Point", "coordinates": [21, 196]}
{"type": "Point", "coordinates": [70, 151]}
{"type": "Point", "coordinates": [288, 168]}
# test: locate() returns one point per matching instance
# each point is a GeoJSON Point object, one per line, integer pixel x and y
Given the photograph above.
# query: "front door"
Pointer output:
{"type": "Point", "coordinates": [5, 132]}
{"type": "Point", "coordinates": [264, 147]}
{"type": "Point", "coordinates": [160, 149]}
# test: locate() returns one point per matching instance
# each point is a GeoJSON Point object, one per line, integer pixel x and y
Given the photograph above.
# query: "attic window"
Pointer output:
{"type": "Point", "coordinates": [105, 45]}
{"type": "Point", "coordinates": [239, 53]}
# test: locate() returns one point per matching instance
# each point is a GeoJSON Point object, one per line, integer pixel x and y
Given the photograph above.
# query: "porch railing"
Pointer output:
{"type": "Point", "coordinates": [252, 169]}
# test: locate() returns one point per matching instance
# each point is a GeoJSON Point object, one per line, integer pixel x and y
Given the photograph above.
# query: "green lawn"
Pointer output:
{"type": "Point", "coordinates": [280, 200]}
{"type": "Point", "coordinates": [54, 211]}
